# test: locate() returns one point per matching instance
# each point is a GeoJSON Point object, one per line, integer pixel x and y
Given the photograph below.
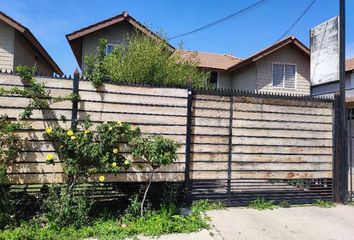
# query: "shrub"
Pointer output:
{"type": "Point", "coordinates": [140, 59]}
{"type": "Point", "coordinates": [156, 151]}
{"type": "Point", "coordinates": [84, 153]}
{"type": "Point", "coordinates": [262, 204]}
{"type": "Point", "coordinates": [62, 209]}
{"type": "Point", "coordinates": [323, 203]}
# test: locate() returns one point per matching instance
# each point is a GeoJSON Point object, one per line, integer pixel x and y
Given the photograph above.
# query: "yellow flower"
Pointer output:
{"type": "Point", "coordinates": [101, 178]}
{"type": "Point", "coordinates": [119, 123]}
{"type": "Point", "coordinates": [115, 150]}
{"type": "Point", "coordinates": [61, 146]}
{"type": "Point", "coordinates": [87, 131]}
{"type": "Point", "coordinates": [70, 133]}
{"type": "Point", "coordinates": [50, 157]}
{"type": "Point", "coordinates": [48, 130]}
{"type": "Point", "coordinates": [126, 162]}
{"type": "Point", "coordinates": [110, 129]}
{"type": "Point", "coordinates": [114, 164]}
{"type": "Point", "coordinates": [73, 137]}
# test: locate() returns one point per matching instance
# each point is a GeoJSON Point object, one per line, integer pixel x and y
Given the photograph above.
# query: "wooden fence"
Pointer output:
{"type": "Point", "coordinates": [235, 146]}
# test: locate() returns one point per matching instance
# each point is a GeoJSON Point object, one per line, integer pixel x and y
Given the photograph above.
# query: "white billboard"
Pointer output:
{"type": "Point", "coordinates": [324, 46]}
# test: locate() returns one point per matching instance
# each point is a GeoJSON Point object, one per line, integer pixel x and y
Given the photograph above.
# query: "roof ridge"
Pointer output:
{"type": "Point", "coordinates": [221, 54]}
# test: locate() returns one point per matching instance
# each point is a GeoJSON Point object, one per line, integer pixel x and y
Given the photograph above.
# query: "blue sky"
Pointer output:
{"type": "Point", "coordinates": [50, 20]}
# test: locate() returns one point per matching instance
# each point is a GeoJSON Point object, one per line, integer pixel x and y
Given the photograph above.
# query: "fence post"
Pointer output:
{"type": "Point", "coordinates": [75, 100]}
{"type": "Point", "coordinates": [187, 183]}
{"type": "Point", "coordinates": [230, 150]}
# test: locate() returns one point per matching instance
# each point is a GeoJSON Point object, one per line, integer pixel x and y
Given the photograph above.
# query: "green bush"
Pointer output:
{"type": "Point", "coordinates": [62, 209]}
{"type": "Point", "coordinates": [140, 59]}
{"type": "Point", "coordinates": [156, 151]}
{"type": "Point", "coordinates": [323, 203]}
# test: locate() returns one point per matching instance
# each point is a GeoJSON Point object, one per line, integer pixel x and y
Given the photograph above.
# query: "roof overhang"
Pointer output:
{"type": "Point", "coordinates": [32, 40]}
{"type": "Point", "coordinates": [75, 38]}
{"type": "Point", "coordinates": [289, 41]}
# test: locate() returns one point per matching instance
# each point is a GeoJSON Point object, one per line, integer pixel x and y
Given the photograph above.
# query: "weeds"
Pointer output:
{"type": "Point", "coordinates": [262, 204]}
{"type": "Point", "coordinates": [323, 204]}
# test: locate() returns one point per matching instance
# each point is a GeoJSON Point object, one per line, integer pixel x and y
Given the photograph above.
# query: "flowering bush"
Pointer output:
{"type": "Point", "coordinates": [84, 153]}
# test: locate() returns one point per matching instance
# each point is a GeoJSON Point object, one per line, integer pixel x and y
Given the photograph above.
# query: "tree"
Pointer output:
{"type": "Point", "coordinates": [156, 151]}
{"type": "Point", "coordinates": [140, 59]}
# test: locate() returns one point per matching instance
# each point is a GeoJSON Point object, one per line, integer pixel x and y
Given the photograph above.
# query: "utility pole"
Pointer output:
{"type": "Point", "coordinates": [343, 148]}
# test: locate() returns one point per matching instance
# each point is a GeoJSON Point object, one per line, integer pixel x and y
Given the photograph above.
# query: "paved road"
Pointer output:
{"type": "Point", "coordinates": [300, 223]}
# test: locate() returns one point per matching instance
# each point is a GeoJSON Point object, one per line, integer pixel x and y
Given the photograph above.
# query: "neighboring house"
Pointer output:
{"type": "Point", "coordinates": [282, 67]}
{"type": "Point", "coordinates": [18, 46]}
{"type": "Point", "coordinates": [84, 41]}
{"type": "Point", "coordinates": [330, 88]}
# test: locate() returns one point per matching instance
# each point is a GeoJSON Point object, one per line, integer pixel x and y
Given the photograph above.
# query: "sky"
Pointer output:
{"type": "Point", "coordinates": [51, 20]}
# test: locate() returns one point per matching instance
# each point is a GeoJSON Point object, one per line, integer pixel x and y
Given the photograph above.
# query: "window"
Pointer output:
{"type": "Point", "coordinates": [213, 79]}
{"type": "Point", "coordinates": [284, 75]}
{"type": "Point", "coordinates": [109, 48]}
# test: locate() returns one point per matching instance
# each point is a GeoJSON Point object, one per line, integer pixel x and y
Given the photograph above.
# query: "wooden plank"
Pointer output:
{"type": "Point", "coordinates": [56, 114]}
{"type": "Point", "coordinates": [281, 125]}
{"type": "Point", "coordinates": [10, 101]}
{"type": "Point", "coordinates": [133, 118]}
{"type": "Point", "coordinates": [213, 98]}
{"type": "Point", "coordinates": [280, 133]}
{"type": "Point", "coordinates": [41, 168]}
{"type": "Point", "coordinates": [284, 102]}
{"type": "Point", "coordinates": [282, 109]}
{"type": "Point", "coordinates": [281, 142]}
{"type": "Point", "coordinates": [210, 139]}
{"type": "Point", "coordinates": [36, 178]}
{"type": "Point", "coordinates": [282, 117]}
{"type": "Point", "coordinates": [209, 130]}
{"type": "Point", "coordinates": [133, 99]}
{"type": "Point", "coordinates": [195, 175]}
{"type": "Point", "coordinates": [281, 158]}
{"type": "Point", "coordinates": [238, 166]}
{"type": "Point", "coordinates": [215, 122]}
{"type": "Point", "coordinates": [209, 157]}
{"type": "Point", "coordinates": [282, 149]}
{"type": "Point", "coordinates": [209, 148]}
{"type": "Point", "coordinates": [131, 108]}
{"type": "Point", "coordinates": [211, 104]}
{"type": "Point", "coordinates": [280, 175]}
{"type": "Point", "coordinates": [202, 166]}
{"type": "Point", "coordinates": [199, 112]}
{"type": "Point", "coordinates": [168, 92]}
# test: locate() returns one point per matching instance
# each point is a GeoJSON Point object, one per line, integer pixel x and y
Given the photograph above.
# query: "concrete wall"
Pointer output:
{"type": "Point", "coordinates": [245, 78]}
{"type": "Point", "coordinates": [25, 55]}
{"type": "Point", "coordinates": [114, 35]}
{"type": "Point", "coordinates": [7, 36]}
{"type": "Point", "coordinates": [290, 55]}
{"type": "Point", "coordinates": [224, 80]}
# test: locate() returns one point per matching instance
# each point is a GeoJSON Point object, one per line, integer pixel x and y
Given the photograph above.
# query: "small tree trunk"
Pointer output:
{"type": "Point", "coordinates": [146, 191]}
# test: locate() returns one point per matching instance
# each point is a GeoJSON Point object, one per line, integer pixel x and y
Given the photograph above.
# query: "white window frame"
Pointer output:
{"type": "Point", "coordinates": [284, 63]}
{"type": "Point", "coordinates": [110, 45]}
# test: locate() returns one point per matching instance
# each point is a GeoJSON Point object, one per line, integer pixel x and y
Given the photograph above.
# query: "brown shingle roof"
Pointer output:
{"type": "Point", "coordinates": [212, 61]}
{"type": "Point", "coordinates": [75, 38]}
{"type": "Point", "coordinates": [31, 39]}
{"type": "Point", "coordinates": [349, 65]}
{"type": "Point", "coordinates": [291, 40]}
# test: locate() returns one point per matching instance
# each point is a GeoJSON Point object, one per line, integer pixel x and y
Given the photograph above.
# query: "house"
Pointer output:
{"type": "Point", "coordinates": [282, 67]}
{"type": "Point", "coordinates": [18, 46]}
{"type": "Point", "coordinates": [330, 88]}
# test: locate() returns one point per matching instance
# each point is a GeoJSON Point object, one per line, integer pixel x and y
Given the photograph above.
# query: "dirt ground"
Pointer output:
{"type": "Point", "coordinates": [303, 223]}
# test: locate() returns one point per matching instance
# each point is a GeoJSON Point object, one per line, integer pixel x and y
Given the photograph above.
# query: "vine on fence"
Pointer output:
{"type": "Point", "coordinates": [39, 97]}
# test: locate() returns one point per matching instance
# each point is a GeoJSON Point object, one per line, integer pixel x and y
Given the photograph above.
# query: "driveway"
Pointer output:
{"type": "Point", "coordinates": [302, 223]}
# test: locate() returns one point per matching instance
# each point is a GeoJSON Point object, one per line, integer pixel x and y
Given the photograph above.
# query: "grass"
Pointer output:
{"type": "Point", "coordinates": [262, 204]}
{"type": "Point", "coordinates": [323, 204]}
{"type": "Point", "coordinates": [154, 223]}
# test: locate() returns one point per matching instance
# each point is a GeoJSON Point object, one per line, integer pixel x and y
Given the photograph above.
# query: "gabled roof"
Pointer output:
{"type": "Point", "coordinates": [211, 61]}
{"type": "Point", "coordinates": [349, 65]}
{"type": "Point", "coordinates": [75, 38]}
{"type": "Point", "coordinates": [26, 33]}
{"type": "Point", "coordinates": [289, 41]}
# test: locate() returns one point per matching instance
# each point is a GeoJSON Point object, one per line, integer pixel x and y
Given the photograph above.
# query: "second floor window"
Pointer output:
{"type": "Point", "coordinates": [284, 75]}
{"type": "Point", "coordinates": [109, 48]}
